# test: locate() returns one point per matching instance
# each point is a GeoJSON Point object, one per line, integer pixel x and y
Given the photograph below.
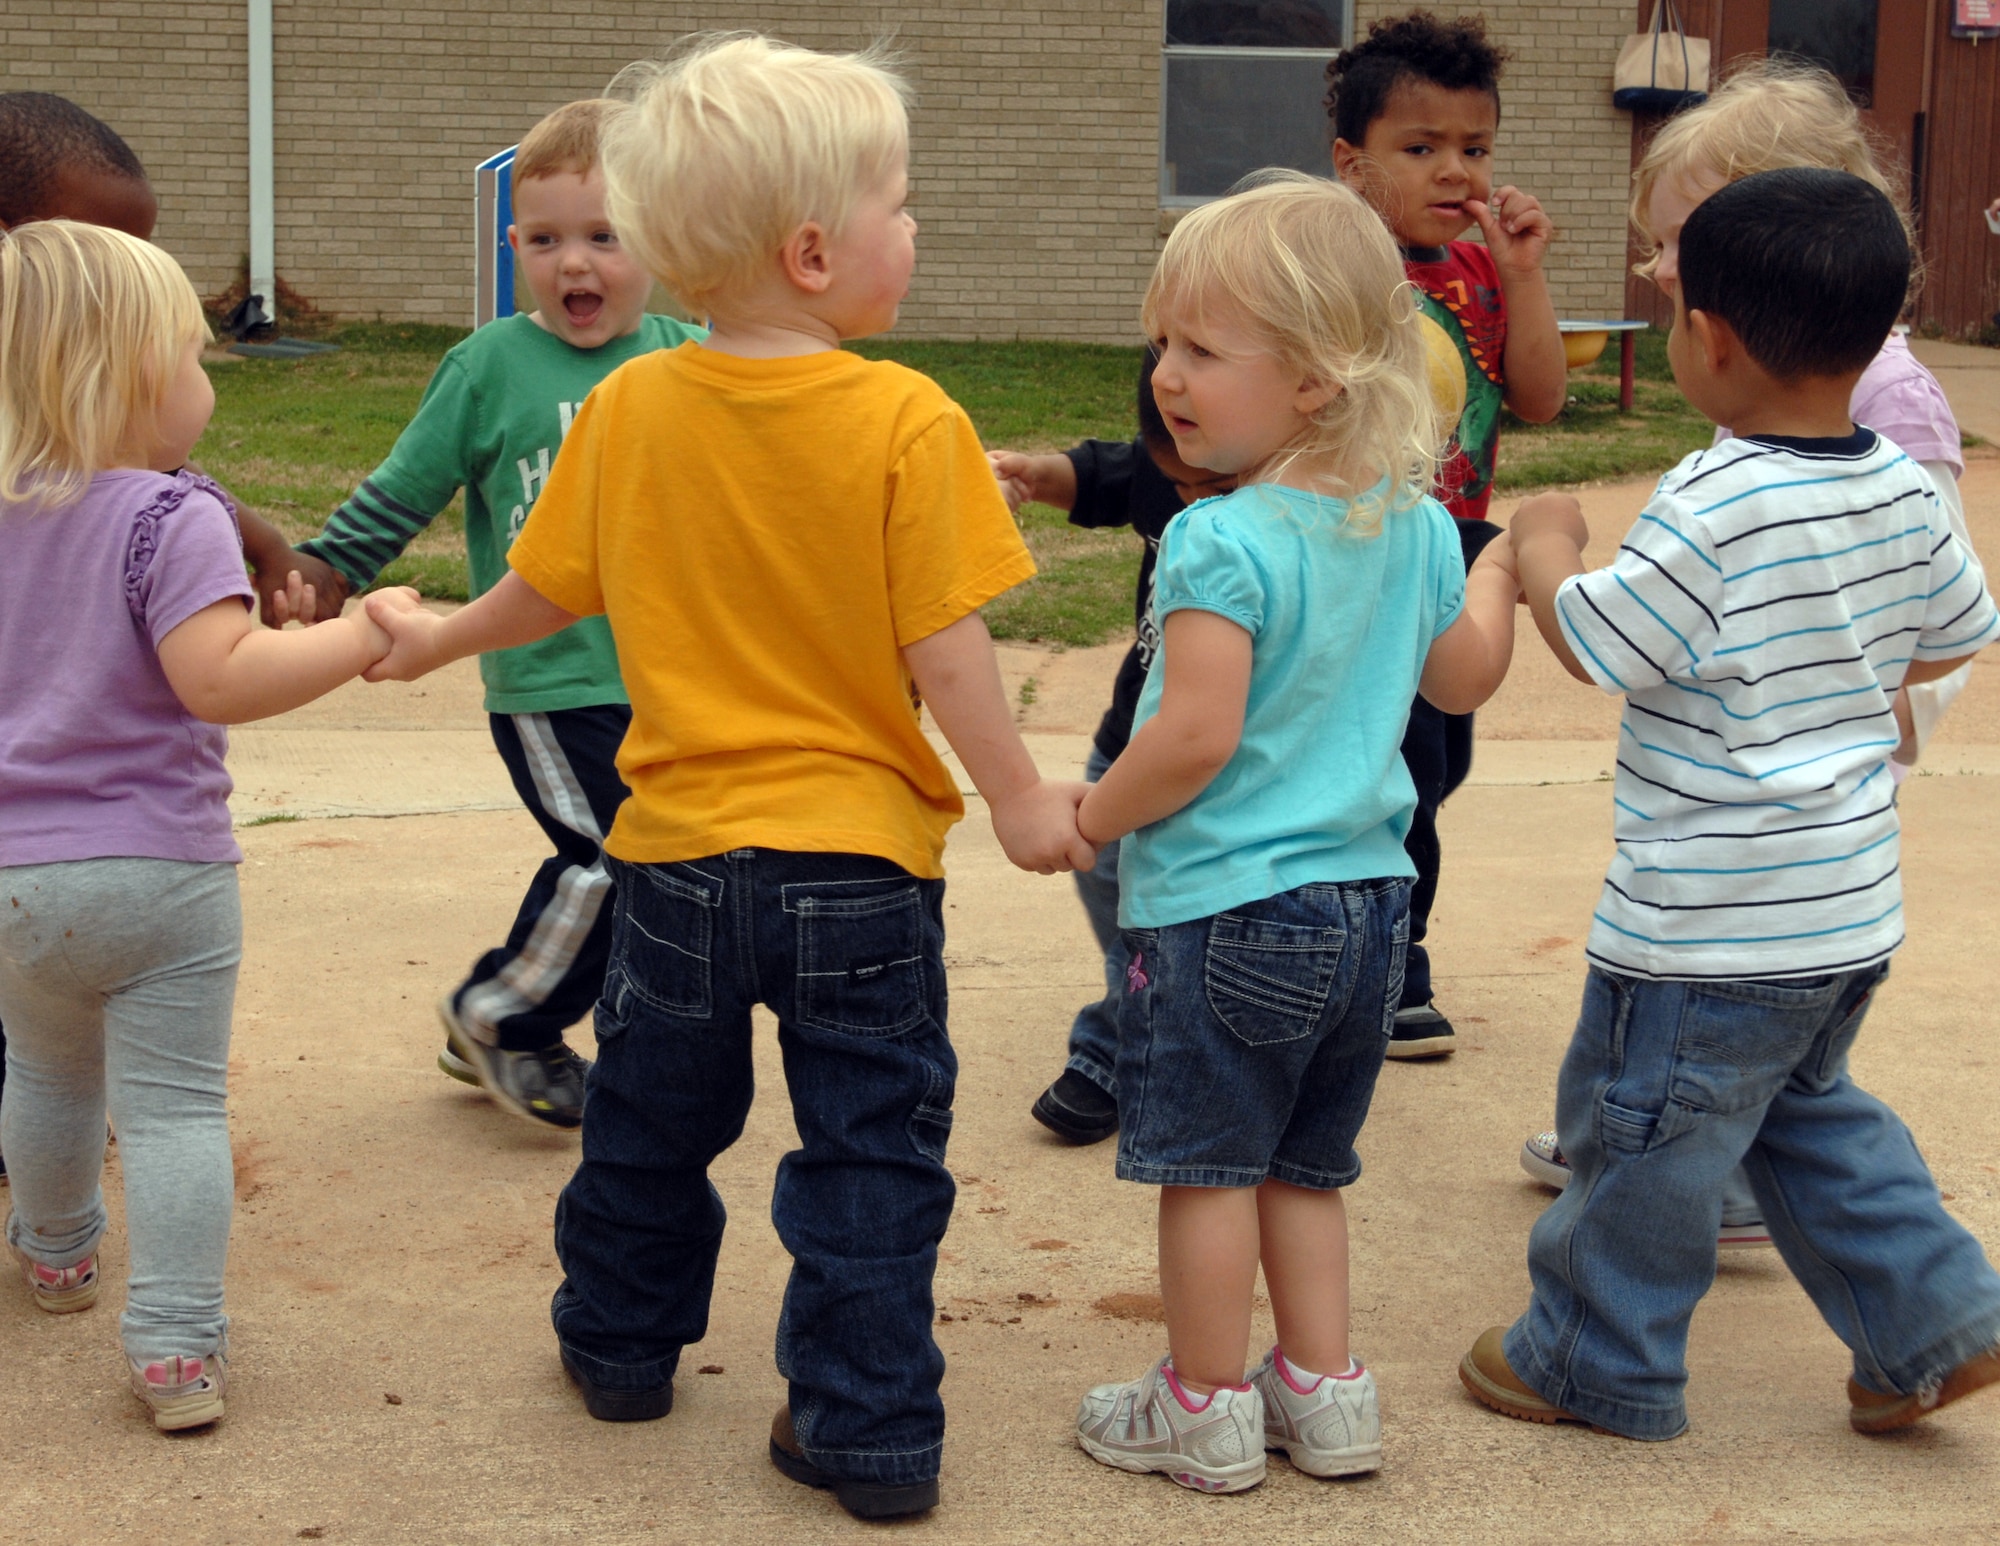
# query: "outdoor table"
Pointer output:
{"type": "Point", "coordinates": [1583, 342]}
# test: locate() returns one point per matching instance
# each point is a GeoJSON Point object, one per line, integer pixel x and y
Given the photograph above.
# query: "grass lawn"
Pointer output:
{"type": "Point", "coordinates": [292, 439]}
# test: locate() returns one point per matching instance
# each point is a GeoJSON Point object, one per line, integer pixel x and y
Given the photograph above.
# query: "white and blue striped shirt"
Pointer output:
{"type": "Point", "coordinates": [1758, 619]}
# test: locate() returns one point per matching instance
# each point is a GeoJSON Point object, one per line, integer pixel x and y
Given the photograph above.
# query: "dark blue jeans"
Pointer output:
{"type": "Point", "coordinates": [848, 951]}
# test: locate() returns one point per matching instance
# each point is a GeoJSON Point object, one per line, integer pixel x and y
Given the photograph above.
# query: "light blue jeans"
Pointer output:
{"type": "Point", "coordinates": [117, 981]}
{"type": "Point", "coordinates": [1093, 1035]}
{"type": "Point", "coordinates": [1666, 1088]}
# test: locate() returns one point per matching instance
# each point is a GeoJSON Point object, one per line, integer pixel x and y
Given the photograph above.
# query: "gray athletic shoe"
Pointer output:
{"type": "Point", "coordinates": [544, 1087]}
{"type": "Point", "coordinates": [1146, 1426]}
{"type": "Point", "coordinates": [1330, 1428]}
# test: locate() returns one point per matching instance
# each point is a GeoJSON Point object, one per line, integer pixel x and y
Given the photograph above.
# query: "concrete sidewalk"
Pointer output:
{"type": "Point", "coordinates": [396, 1377]}
{"type": "Point", "coordinates": [1970, 377]}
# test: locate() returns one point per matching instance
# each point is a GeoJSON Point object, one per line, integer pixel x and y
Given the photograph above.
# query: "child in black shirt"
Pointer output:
{"type": "Point", "coordinates": [1143, 484]}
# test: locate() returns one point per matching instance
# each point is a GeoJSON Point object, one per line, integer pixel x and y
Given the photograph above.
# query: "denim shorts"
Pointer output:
{"type": "Point", "coordinates": [1249, 1042]}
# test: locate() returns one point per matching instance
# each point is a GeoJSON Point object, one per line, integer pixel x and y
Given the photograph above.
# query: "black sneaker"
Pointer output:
{"type": "Point", "coordinates": [1076, 1110]}
{"type": "Point", "coordinates": [618, 1406]}
{"type": "Point", "coordinates": [1421, 1032]}
{"type": "Point", "coordinates": [864, 1500]}
{"type": "Point", "coordinates": [544, 1086]}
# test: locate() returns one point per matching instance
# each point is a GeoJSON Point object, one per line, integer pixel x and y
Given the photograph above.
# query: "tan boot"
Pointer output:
{"type": "Point", "coordinates": [1486, 1373]}
{"type": "Point", "coordinates": [1873, 1411]}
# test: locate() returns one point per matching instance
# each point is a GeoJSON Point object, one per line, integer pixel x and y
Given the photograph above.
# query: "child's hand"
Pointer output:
{"type": "Point", "coordinates": [1517, 230]}
{"type": "Point", "coordinates": [296, 587]}
{"type": "Point", "coordinates": [411, 635]}
{"type": "Point", "coordinates": [1037, 828]}
{"type": "Point", "coordinates": [1544, 515]}
{"type": "Point", "coordinates": [1047, 480]}
{"type": "Point", "coordinates": [1013, 489]}
{"type": "Point", "coordinates": [298, 602]}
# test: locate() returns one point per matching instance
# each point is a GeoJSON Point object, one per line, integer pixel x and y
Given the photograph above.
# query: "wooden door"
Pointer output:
{"type": "Point", "coordinates": [1876, 46]}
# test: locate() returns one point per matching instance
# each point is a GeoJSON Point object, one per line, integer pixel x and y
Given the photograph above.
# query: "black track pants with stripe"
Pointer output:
{"type": "Point", "coordinates": [525, 994]}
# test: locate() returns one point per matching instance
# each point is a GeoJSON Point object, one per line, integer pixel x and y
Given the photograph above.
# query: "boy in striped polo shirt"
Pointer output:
{"type": "Point", "coordinates": [1759, 618]}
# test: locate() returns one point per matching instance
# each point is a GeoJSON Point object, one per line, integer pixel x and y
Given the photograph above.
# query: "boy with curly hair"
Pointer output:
{"type": "Point", "coordinates": [1416, 110]}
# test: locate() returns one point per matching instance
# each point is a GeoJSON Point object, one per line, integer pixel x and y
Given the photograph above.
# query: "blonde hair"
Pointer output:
{"type": "Point", "coordinates": [734, 142]}
{"type": "Point", "coordinates": [1312, 270]}
{"type": "Point", "coordinates": [565, 141]}
{"type": "Point", "coordinates": [1769, 114]}
{"type": "Point", "coordinates": [92, 322]}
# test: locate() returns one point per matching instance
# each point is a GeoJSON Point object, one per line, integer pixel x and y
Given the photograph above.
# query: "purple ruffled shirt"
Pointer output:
{"type": "Point", "coordinates": [98, 757]}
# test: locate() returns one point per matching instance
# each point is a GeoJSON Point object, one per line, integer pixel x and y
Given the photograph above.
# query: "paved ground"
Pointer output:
{"type": "Point", "coordinates": [1971, 379]}
{"type": "Point", "coordinates": [391, 1271]}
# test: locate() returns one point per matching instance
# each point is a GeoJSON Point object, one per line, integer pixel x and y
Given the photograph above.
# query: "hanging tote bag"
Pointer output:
{"type": "Point", "coordinates": [1662, 69]}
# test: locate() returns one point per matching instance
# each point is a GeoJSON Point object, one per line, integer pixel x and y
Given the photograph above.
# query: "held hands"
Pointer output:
{"type": "Point", "coordinates": [1544, 516]}
{"type": "Point", "coordinates": [1037, 828]}
{"type": "Point", "coordinates": [1044, 480]}
{"type": "Point", "coordinates": [296, 587]}
{"type": "Point", "coordinates": [407, 633]}
{"type": "Point", "coordinates": [1517, 230]}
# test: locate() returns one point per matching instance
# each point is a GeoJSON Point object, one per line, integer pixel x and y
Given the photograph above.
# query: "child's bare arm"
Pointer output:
{"type": "Point", "coordinates": [1469, 660]}
{"type": "Point", "coordinates": [226, 670]}
{"type": "Point", "coordinates": [511, 613]}
{"type": "Point", "coordinates": [1548, 535]}
{"type": "Point", "coordinates": [1177, 753]}
{"type": "Point", "coordinates": [1517, 232]}
{"type": "Point", "coordinates": [959, 679]}
{"type": "Point", "coordinates": [1930, 670]}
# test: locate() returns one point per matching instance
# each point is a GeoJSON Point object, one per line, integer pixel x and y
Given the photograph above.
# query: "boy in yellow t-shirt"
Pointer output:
{"type": "Point", "coordinates": [791, 544]}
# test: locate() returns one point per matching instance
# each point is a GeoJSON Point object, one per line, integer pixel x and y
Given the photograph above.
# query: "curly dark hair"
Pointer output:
{"type": "Point", "coordinates": [39, 133]}
{"type": "Point", "coordinates": [1456, 55]}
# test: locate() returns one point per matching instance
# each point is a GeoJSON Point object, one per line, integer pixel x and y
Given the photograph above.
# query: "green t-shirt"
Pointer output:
{"type": "Point", "coordinates": [491, 422]}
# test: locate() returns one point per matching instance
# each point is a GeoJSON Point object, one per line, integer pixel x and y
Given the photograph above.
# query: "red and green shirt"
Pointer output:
{"type": "Point", "coordinates": [1459, 289]}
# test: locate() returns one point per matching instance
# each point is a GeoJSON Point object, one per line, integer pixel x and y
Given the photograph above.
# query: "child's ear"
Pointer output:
{"type": "Point", "coordinates": [1715, 338]}
{"type": "Point", "coordinates": [806, 258]}
{"type": "Point", "coordinates": [1314, 394]}
{"type": "Point", "coordinates": [514, 239]}
{"type": "Point", "coordinates": [1347, 160]}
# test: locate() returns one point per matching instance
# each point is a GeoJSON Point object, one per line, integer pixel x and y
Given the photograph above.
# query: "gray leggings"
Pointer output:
{"type": "Point", "coordinates": [117, 979]}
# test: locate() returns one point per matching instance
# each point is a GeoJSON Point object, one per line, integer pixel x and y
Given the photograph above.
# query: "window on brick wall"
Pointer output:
{"type": "Point", "coordinates": [1242, 85]}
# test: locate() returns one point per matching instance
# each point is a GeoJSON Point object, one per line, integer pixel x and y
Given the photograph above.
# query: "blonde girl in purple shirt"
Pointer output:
{"type": "Point", "coordinates": [126, 643]}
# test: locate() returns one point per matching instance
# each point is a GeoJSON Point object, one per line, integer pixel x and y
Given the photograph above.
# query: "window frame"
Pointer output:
{"type": "Point", "coordinates": [1171, 51]}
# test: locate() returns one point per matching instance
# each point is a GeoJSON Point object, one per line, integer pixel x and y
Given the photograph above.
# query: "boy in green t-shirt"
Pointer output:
{"type": "Point", "coordinates": [491, 422]}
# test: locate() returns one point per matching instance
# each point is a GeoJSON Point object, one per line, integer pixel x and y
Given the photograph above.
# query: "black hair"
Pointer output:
{"type": "Point", "coordinates": [1808, 266]}
{"type": "Point", "coordinates": [39, 135]}
{"type": "Point", "coordinates": [1152, 427]}
{"type": "Point", "coordinates": [1455, 55]}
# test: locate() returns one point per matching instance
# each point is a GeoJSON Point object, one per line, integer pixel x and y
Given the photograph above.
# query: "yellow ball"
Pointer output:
{"type": "Point", "coordinates": [1446, 368]}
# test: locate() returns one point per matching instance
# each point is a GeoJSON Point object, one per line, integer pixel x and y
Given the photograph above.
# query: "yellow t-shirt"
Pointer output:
{"type": "Point", "coordinates": [764, 537]}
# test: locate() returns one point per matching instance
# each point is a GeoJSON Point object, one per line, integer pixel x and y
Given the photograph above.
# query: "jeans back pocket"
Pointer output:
{"type": "Point", "coordinates": [664, 937]}
{"type": "Point", "coordinates": [861, 960]}
{"type": "Point", "coordinates": [1269, 981]}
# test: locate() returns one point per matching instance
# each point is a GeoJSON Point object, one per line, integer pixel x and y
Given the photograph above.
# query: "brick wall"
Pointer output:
{"type": "Point", "coordinates": [1034, 153]}
{"type": "Point", "coordinates": [170, 76]}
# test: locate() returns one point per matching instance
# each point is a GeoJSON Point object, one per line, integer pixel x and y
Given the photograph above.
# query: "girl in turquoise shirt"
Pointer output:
{"type": "Point", "coordinates": [1263, 804]}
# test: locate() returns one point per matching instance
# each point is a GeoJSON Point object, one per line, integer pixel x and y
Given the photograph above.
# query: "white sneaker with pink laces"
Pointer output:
{"type": "Point", "coordinates": [62, 1290]}
{"type": "Point", "coordinates": [183, 1392]}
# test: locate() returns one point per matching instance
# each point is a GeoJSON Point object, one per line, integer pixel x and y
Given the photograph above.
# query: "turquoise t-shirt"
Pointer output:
{"type": "Point", "coordinates": [1340, 625]}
